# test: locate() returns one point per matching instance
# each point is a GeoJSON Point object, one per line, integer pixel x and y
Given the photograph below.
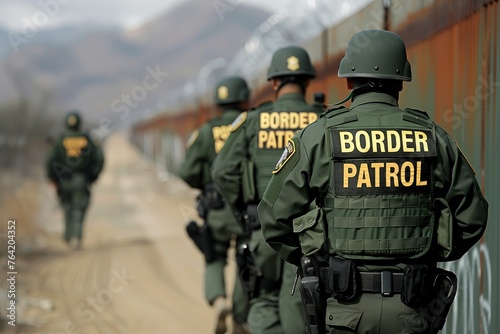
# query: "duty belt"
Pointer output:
{"type": "Point", "coordinates": [384, 282]}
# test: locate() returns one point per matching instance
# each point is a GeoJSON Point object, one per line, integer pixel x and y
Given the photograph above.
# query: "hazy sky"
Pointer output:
{"type": "Point", "coordinates": [131, 13]}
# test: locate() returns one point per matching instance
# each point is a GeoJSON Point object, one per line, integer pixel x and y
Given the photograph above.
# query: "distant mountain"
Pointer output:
{"type": "Point", "coordinates": [104, 72]}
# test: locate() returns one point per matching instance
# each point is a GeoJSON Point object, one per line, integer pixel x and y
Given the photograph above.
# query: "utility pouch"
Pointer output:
{"type": "Point", "coordinates": [248, 181]}
{"type": "Point", "coordinates": [416, 285]}
{"type": "Point", "coordinates": [253, 217]}
{"type": "Point", "coordinates": [343, 279]}
{"type": "Point", "coordinates": [443, 291]}
{"type": "Point", "coordinates": [310, 229]}
{"type": "Point", "coordinates": [445, 229]}
{"type": "Point", "coordinates": [213, 196]}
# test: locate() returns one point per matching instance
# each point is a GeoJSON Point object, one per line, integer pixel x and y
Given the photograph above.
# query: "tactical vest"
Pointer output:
{"type": "Point", "coordinates": [274, 128]}
{"type": "Point", "coordinates": [379, 205]}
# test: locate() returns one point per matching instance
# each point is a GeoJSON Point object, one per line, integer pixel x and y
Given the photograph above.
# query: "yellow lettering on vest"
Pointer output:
{"type": "Point", "coordinates": [74, 146]}
{"type": "Point", "coordinates": [280, 136]}
{"type": "Point", "coordinates": [263, 135]}
{"type": "Point", "coordinates": [312, 117]}
{"type": "Point", "coordinates": [364, 176]}
{"type": "Point", "coordinates": [406, 139]}
{"type": "Point", "coordinates": [271, 140]}
{"type": "Point", "coordinates": [215, 132]}
{"type": "Point", "coordinates": [274, 120]}
{"type": "Point", "coordinates": [264, 120]}
{"type": "Point", "coordinates": [377, 166]}
{"type": "Point", "coordinates": [393, 141]}
{"type": "Point", "coordinates": [419, 174]}
{"type": "Point", "coordinates": [218, 145]}
{"type": "Point", "coordinates": [421, 141]}
{"type": "Point", "coordinates": [378, 140]}
{"type": "Point", "coordinates": [294, 120]}
{"type": "Point", "coordinates": [349, 172]}
{"type": "Point", "coordinates": [407, 181]}
{"type": "Point", "coordinates": [288, 135]}
{"type": "Point", "coordinates": [285, 117]}
{"type": "Point", "coordinates": [391, 172]}
{"type": "Point", "coordinates": [346, 142]}
{"type": "Point", "coordinates": [359, 144]}
{"type": "Point", "coordinates": [303, 120]}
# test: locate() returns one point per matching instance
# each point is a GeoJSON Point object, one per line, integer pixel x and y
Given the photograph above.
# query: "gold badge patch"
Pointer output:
{"type": "Point", "coordinates": [72, 120]}
{"type": "Point", "coordinates": [192, 139]}
{"type": "Point", "coordinates": [285, 156]}
{"type": "Point", "coordinates": [222, 92]}
{"type": "Point", "coordinates": [238, 121]}
{"type": "Point", "coordinates": [293, 63]}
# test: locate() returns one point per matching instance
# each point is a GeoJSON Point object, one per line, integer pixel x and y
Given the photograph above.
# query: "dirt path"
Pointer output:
{"type": "Point", "coordinates": [137, 271]}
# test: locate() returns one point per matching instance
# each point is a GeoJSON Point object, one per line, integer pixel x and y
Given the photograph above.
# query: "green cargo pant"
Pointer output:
{"type": "Point", "coordinates": [224, 228]}
{"type": "Point", "coordinates": [291, 314]}
{"type": "Point", "coordinates": [74, 197]}
{"type": "Point", "coordinates": [264, 315]}
{"type": "Point", "coordinates": [371, 313]}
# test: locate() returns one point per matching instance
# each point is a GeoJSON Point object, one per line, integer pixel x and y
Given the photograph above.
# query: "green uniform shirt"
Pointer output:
{"type": "Point", "coordinates": [306, 175]}
{"type": "Point", "coordinates": [202, 148]}
{"type": "Point", "coordinates": [74, 152]}
{"type": "Point", "coordinates": [259, 137]}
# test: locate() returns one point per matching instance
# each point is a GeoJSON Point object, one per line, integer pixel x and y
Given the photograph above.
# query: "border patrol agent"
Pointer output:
{"type": "Point", "coordinates": [232, 96]}
{"type": "Point", "coordinates": [394, 194]}
{"type": "Point", "coordinates": [242, 171]}
{"type": "Point", "coordinates": [73, 164]}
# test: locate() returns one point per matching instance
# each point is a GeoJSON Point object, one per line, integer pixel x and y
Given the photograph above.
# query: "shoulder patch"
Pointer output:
{"type": "Point", "coordinates": [285, 156]}
{"type": "Point", "coordinates": [238, 121]}
{"type": "Point", "coordinates": [192, 138]}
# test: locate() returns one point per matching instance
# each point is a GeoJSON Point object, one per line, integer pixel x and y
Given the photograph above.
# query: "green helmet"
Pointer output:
{"type": "Point", "coordinates": [375, 54]}
{"type": "Point", "coordinates": [290, 60]}
{"type": "Point", "coordinates": [73, 120]}
{"type": "Point", "coordinates": [231, 90]}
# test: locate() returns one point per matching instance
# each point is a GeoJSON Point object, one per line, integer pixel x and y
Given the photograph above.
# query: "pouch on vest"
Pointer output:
{"type": "Point", "coordinates": [248, 181]}
{"type": "Point", "coordinates": [416, 284]}
{"type": "Point", "coordinates": [343, 279]}
{"type": "Point", "coordinates": [445, 228]}
{"type": "Point", "coordinates": [310, 229]}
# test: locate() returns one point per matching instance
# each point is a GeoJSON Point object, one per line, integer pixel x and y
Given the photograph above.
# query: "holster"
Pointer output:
{"type": "Point", "coordinates": [215, 201]}
{"type": "Point", "coordinates": [202, 206]}
{"type": "Point", "coordinates": [343, 279]}
{"type": "Point", "coordinates": [202, 238]}
{"type": "Point", "coordinates": [313, 305]}
{"type": "Point", "coordinates": [432, 291]}
{"type": "Point", "coordinates": [253, 221]}
{"type": "Point", "coordinates": [249, 274]}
